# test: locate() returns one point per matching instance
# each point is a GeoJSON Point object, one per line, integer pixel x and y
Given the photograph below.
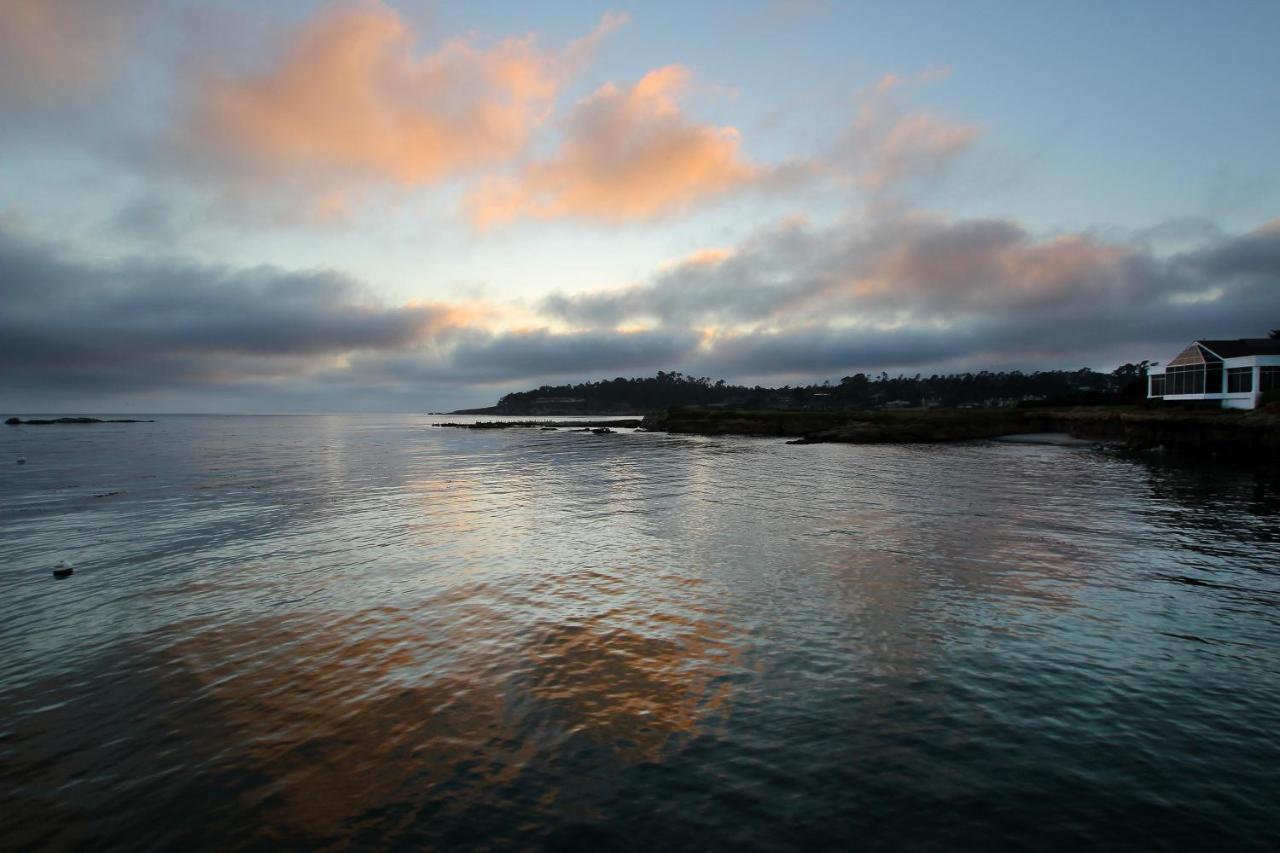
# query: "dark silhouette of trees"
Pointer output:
{"type": "Point", "coordinates": [1125, 384]}
{"type": "Point", "coordinates": [1132, 379]}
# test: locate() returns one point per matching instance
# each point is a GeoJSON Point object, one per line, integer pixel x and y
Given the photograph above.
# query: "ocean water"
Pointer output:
{"type": "Point", "coordinates": [370, 632]}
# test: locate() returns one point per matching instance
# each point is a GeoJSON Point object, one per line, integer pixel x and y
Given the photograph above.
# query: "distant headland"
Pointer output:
{"type": "Point", "coordinates": [984, 389]}
{"type": "Point", "coordinates": [1108, 408]}
{"type": "Point", "coordinates": [48, 421]}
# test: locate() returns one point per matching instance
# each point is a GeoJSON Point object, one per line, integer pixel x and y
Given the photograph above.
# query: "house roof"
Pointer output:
{"type": "Point", "coordinates": [1243, 346]}
{"type": "Point", "coordinates": [1193, 354]}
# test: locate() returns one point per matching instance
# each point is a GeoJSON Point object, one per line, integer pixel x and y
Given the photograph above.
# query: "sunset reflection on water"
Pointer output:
{"type": "Point", "coordinates": [372, 632]}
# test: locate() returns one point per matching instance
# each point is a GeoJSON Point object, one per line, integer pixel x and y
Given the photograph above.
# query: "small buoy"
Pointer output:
{"type": "Point", "coordinates": [22, 460]}
{"type": "Point", "coordinates": [63, 570]}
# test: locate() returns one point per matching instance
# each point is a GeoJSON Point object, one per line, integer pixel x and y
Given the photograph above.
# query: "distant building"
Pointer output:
{"type": "Point", "coordinates": [1235, 372]}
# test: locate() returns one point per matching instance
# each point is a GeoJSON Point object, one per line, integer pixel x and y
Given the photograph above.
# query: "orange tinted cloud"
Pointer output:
{"type": "Point", "coordinates": [891, 147]}
{"type": "Point", "coordinates": [916, 144]}
{"type": "Point", "coordinates": [1069, 266]}
{"type": "Point", "coordinates": [628, 153]}
{"type": "Point", "coordinates": [932, 269]}
{"type": "Point", "coordinates": [351, 98]}
{"type": "Point", "coordinates": [61, 47]}
{"type": "Point", "coordinates": [708, 257]}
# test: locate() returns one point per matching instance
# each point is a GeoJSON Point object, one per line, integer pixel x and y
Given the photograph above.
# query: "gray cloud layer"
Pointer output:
{"type": "Point", "coordinates": [135, 328]}
{"type": "Point", "coordinates": [97, 321]}
{"type": "Point", "coordinates": [795, 301]}
{"type": "Point", "coordinates": [907, 289]}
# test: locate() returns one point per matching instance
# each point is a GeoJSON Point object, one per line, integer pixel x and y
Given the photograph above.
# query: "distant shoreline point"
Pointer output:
{"type": "Point", "coordinates": [69, 420]}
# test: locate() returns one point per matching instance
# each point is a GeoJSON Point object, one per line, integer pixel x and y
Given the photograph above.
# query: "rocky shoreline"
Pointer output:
{"type": "Point", "coordinates": [580, 425]}
{"type": "Point", "coordinates": [1250, 435]}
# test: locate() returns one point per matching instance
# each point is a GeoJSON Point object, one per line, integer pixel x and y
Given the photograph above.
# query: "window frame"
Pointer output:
{"type": "Point", "coordinates": [1234, 377]}
{"type": "Point", "coordinates": [1184, 379]}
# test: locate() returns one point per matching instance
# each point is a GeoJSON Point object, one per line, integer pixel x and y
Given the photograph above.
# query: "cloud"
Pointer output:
{"type": "Point", "coordinates": [534, 356]}
{"type": "Point", "coordinates": [628, 153]}
{"type": "Point", "coordinates": [913, 146]}
{"type": "Point", "coordinates": [135, 328]}
{"type": "Point", "coordinates": [912, 288]}
{"type": "Point", "coordinates": [816, 349]}
{"type": "Point", "coordinates": [144, 323]}
{"type": "Point", "coordinates": [889, 147]}
{"type": "Point", "coordinates": [350, 99]}
{"type": "Point", "coordinates": [750, 284]}
{"type": "Point", "coordinates": [61, 48]}
{"type": "Point", "coordinates": [908, 266]}
{"type": "Point", "coordinates": [1255, 255]}
{"type": "Point", "coordinates": [796, 301]}
{"type": "Point", "coordinates": [933, 268]}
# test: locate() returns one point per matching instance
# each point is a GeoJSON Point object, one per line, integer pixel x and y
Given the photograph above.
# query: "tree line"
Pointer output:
{"type": "Point", "coordinates": [1125, 384]}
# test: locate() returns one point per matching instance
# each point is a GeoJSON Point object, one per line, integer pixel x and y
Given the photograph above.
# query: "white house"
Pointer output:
{"type": "Point", "coordinates": [1235, 372]}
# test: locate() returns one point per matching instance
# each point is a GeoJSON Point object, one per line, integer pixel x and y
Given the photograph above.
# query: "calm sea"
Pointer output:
{"type": "Point", "coordinates": [371, 632]}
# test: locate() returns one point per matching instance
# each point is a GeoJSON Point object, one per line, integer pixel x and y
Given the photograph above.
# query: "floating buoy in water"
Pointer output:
{"type": "Point", "coordinates": [22, 460]}
{"type": "Point", "coordinates": [63, 570]}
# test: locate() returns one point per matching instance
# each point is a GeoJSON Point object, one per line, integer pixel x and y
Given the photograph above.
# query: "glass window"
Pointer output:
{"type": "Point", "coordinates": [1213, 378]}
{"type": "Point", "coordinates": [1157, 386]}
{"type": "Point", "coordinates": [1185, 379]}
{"type": "Point", "coordinates": [1268, 378]}
{"type": "Point", "coordinates": [1239, 380]}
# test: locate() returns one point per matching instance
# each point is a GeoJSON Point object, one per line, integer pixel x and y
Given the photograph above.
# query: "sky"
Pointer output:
{"type": "Point", "coordinates": [367, 205]}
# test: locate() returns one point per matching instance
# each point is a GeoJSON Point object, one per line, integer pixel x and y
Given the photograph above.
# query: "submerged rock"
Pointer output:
{"type": "Point", "coordinates": [63, 570]}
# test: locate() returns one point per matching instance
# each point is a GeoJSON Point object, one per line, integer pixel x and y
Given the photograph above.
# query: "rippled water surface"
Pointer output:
{"type": "Point", "coordinates": [373, 632]}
